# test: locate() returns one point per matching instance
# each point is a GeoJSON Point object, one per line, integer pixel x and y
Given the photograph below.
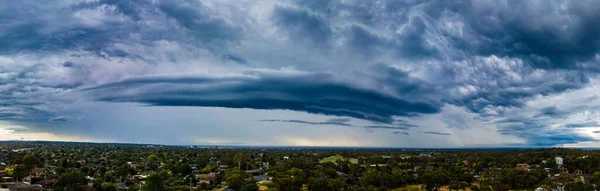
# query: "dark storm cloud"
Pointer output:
{"type": "Point", "coordinates": [58, 119]}
{"type": "Point", "coordinates": [397, 124]}
{"type": "Point", "coordinates": [195, 18]}
{"type": "Point", "coordinates": [550, 34]}
{"type": "Point", "coordinates": [28, 37]}
{"type": "Point", "coordinates": [300, 23]}
{"type": "Point", "coordinates": [235, 58]}
{"type": "Point", "coordinates": [552, 112]}
{"type": "Point", "coordinates": [551, 139]}
{"type": "Point", "coordinates": [540, 135]}
{"type": "Point", "coordinates": [400, 133]}
{"type": "Point", "coordinates": [340, 122]}
{"type": "Point", "coordinates": [436, 133]}
{"type": "Point", "coordinates": [131, 9]}
{"type": "Point", "coordinates": [30, 32]}
{"type": "Point", "coordinates": [386, 127]}
{"type": "Point", "coordinates": [465, 32]}
{"type": "Point", "coordinates": [514, 93]}
{"type": "Point", "coordinates": [335, 121]}
{"type": "Point", "coordinates": [383, 58]}
{"type": "Point", "coordinates": [585, 124]}
{"type": "Point", "coordinates": [316, 93]}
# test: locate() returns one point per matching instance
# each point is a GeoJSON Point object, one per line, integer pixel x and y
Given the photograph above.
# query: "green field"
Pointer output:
{"type": "Point", "coordinates": [332, 159]}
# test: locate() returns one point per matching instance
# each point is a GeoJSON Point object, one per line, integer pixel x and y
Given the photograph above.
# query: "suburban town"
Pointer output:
{"type": "Point", "coordinates": [103, 166]}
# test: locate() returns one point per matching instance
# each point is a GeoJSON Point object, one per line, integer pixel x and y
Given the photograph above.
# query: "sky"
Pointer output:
{"type": "Point", "coordinates": [302, 73]}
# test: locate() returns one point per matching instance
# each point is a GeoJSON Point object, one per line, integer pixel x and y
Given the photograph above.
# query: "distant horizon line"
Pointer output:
{"type": "Point", "coordinates": [301, 146]}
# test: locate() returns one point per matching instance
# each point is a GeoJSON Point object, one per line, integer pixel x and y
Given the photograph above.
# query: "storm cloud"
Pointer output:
{"type": "Point", "coordinates": [523, 72]}
{"type": "Point", "coordinates": [317, 93]}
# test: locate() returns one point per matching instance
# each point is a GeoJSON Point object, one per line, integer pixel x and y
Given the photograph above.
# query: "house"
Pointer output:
{"type": "Point", "coordinates": [205, 178]}
{"type": "Point", "coordinates": [563, 172]}
{"type": "Point", "coordinates": [254, 171]}
{"type": "Point", "coordinates": [140, 177]}
{"type": "Point", "coordinates": [20, 150]}
{"type": "Point", "coordinates": [46, 182]}
{"type": "Point", "coordinates": [416, 168]}
{"type": "Point", "coordinates": [135, 166]}
{"type": "Point", "coordinates": [286, 157]}
{"type": "Point", "coordinates": [523, 166]}
{"type": "Point", "coordinates": [559, 161]}
{"type": "Point", "coordinates": [261, 178]}
{"type": "Point", "coordinates": [37, 171]}
{"type": "Point", "coordinates": [24, 187]}
{"type": "Point", "coordinates": [121, 186]}
{"type": "Point", "coordinates": [6, 179]}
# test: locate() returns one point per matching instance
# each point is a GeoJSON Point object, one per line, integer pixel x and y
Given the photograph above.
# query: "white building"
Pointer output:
{"type": "Point", "coordinates": [559, 161]}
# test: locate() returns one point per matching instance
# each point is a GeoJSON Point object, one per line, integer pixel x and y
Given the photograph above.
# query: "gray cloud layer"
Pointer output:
{"type": "Point", "coordinates": [369, 60]}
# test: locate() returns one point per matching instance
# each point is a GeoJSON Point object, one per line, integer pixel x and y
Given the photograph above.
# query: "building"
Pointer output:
{"type": "Point", "coordinates": [559, 161]}
{"type": "Point", "coordinates": [261, 178]}
{"type": "Point", "coordinates": [205, 178]}
{"type": "Point", "coordinates": [37, 171]}
{"type": "Point", "coordinates": [523, 166]}
{"type": "Point", "coordinates": [24, 187]}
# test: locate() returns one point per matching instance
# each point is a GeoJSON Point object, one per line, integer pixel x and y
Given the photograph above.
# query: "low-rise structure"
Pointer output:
{"type": "Point", "coordinates": [523, 166]}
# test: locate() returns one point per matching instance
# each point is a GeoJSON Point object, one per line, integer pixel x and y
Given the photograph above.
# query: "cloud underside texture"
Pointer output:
{"type": "Point", "coordinates": [312, 93]}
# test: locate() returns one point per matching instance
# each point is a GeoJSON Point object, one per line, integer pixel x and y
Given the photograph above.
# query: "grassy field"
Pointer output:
{"type": "Point", "coordinates": [336, 157]}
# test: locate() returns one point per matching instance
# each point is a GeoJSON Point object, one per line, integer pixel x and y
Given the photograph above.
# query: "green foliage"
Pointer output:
{"type": "Point", "coordinates": [178, 188]}
{"type": "Point", "coordinates": [152, 157]}
{"type": "Point", "coordinates": [250, 187]}
{"type": "Point", "coordinates": [578, 186]}
{"type": "Point", "coordinates": [73, 179]}
{"type": "Point", "coordinates": [304, 169]}
{"type": "Point", "coordinates": [596, 178]}
{"type": "Point", "coordinates": [30, 161]}
{"type": "Point", "coordinates": [107, 186]}
{"type": "Point", "coordinates": [235, 181]}
{"type": "Point", "coordinates": [154, 182]}
{"type": "Point", "coordinates": [434, 180]}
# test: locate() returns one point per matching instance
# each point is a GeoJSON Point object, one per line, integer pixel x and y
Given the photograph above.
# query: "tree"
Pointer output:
{"type": "Point", "coordinates": [578, 186]}
{"type": "Point", "coordinates": [435, 179]}
{"type": "Point", "coordinates": [235, 181]}
{"type": "Point", "coordinates": [30, 161]}
{"type": "Point", "coordinates": [154, 182]}
{"type": "Point", "coordinates": [152, 158]}
{"type": "Point", "coordinates": [73, 179]}
{"type": "Point", "coordinates": [184, 169]}
{"type": "Point", "coordinates": [250, 187]}
{"type": "Point", "coordinates": [596, 178]}
{"type": "Point", "coordinates": [318, 184]}
{"type": "Point", "coordinates": [19, 172]}
{"type": "Point", "coordinates": [239, 157]}
{"type": "Point", "coordinates": [107, 186]}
